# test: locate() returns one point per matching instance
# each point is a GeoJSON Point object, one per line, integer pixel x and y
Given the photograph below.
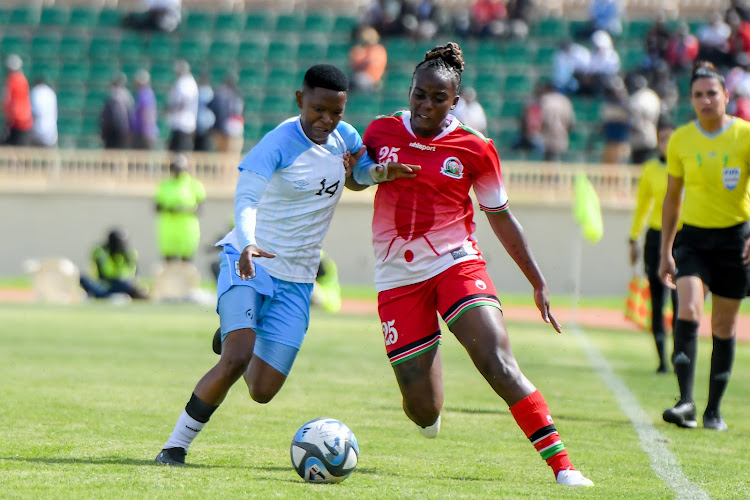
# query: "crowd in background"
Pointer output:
{"type": "Point", "coordinates": [204, 116]}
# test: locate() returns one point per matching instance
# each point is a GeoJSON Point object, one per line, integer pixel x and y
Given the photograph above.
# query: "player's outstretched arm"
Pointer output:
{"type": "Point", "coordinates": [360, 175]}
{"type": "Point", "coordinates": [670, 215]}
{"type": "Point", "coordinates": [510, 233]}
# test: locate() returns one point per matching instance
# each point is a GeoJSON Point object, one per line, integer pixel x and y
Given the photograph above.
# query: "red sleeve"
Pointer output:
{"type": "Point", "coordinates": [488, 184]}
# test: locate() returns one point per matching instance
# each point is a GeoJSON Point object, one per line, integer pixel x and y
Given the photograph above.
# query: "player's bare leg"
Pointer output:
{"type": "Point", "coordinates": [421, 382]}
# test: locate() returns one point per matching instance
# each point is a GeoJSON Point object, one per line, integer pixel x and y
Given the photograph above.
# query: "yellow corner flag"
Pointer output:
{"type": "Point", "coordinates": [586, 209]}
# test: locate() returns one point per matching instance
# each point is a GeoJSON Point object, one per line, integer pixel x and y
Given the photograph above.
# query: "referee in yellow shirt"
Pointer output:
{"type": "Point", "coordinates": [651, 189]}
{"type": "Point", "coordinates": [710, 159]}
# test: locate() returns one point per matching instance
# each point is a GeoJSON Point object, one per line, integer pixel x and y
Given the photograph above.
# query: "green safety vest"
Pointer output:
{"type": "Point", "coordinates": [114, 266]}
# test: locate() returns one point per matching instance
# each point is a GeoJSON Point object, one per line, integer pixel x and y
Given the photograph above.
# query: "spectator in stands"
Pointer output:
{"type": "Point", "coordinates": [227, 106]}
{"type": "Point", "coordinates": [114, 266]}
{"type": "Point", "coordinates": [604, 15]}
{"type": "Point", "coordinates": [183, 108]}
{"type": "Point", "coordinates": [488, 18]}
{"type": "Point", "coordinates": [616, 122]}
{"type": "Point", "coordinates": [569, 63]}
{"type": "Point", "coordinates": [739, 39]}
{"type": "Point", "coordinates": [367, 59]}
{"type": "Point", "coordinates": [738, 86]}
{"type": "Point", "coordinates": [206, 120]}
{"type": "Point", "coordinates": [663, 83]}
{"type": "Point", "coordinates": [16, 104]}
{"type": "Point", "coordinates": [157, 15]}
{"type": "Point", "coordinates": [558, 119]}
{"type": "Point", "coordinates": [143, 121]}
{"type": "Point", "coordinates": [178, 201]}
{"type": "Point", "coordinates": [470, 112]}
{"type": "Point", "coordinates": [657, 40]}
{"type": "Point", "coordinates": [114, 121]}
{"type": "Point", "coordinates": [530, 136]}
{"type": "Point", "coordinates": [44, 111]}
{"type": "Point", "coordinates": [742, 7]}
{"type": "Point", "coordinates": [604, 64]}
{"type": "Point", "coordinates": [713, 41]}
{"type": "Point", "coordinates": [645, 109]}
{"type": "Point", "coordinates": [520, 16]}
{"type": "Point", "coordinates": [682, 48]}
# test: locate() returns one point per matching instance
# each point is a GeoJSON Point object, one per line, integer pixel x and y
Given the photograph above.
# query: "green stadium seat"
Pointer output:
{"type": "Point", "coordinates": [54, 16]}
{"type": "Point", "coordinates": [283, 49]}
{"type": "Point", "coordinates": [518, 53]}
{"type": "Point", "coordinates": [162, 76]}
{"type": "Point", "coordinates": [319, 22]}
{"type": "Point", "coordinates": [224, 50]}
{"type": "Point", "coordinates": [364, 104]}
{"type": "Point", "coordinates": [252, 78]}
{"type": "Point", "coordinates": [291, 22]}
{"type": "Point", "coordinates": [47, 69]}
{"type": "Point", "coordinates": [71, 99]}
{"type": "Point", "coordinates": [260, 21]}
{"type": "Point", "coordinates": [282, 78]}
{"type": "Point", "coordinates": [550, 27]}
{"type": "Point", "coordinates": [193, 49]}
{"type": "Point", "coordinates": [90, 124]}
{"type": "Point", "coordinates": [545, 56]}
{"type": "Point", "coordinates": [636, 29]}
{"type": "Point", "coordinates": [102, 73]}
{"type": "Point", "coordinates": [95, 100]}
{"type": "Point", "coordinates": [15, 44]}
{"type": "Point", "coordinates": [253, 126]}
{"type": "Point", "coordinates": [69, 125]}
{"type": "Point", "coordinates": [312, 49]}
{"type": "Point", "coordinates": [396, 81]}
{"type": "Point", "coordinates": [518, 84]}
{"type": "Point", "coordinates": [162, 48]}
{"type": "Point", "coordinates": [5, 13]}
{"type": "Point", "coordinates": [344, 24]}
{"type": "Point", "coordinates": [109, 18]}
{"type": "Point", "coordinates": [131, 47]}
{"type": "Point", "coordinates": [229, 21]}
{"type": "Point", "coordinates": [24, 15]}
{"type": "Point", "coordinates": [488, 80]}
{"type": "Point", "coordinates": [83, 17]}
{"type": "Point", "coordinates": [393, 102]}
{"type": "Point", "coordinates": [44, 46]}
{"type": "Point", "coordinates": [73, 48]}
{"type": "Point", "coordinates": [74, 72]}
{"type": "Point", "coordinates": [103, 48]}
{"type": "Point", "coordinates": [338, 52]}
{"type": "Point", "coordinates": [633, 59]}
{"type": "Point", "coordinates": [511, 108]}
{"type": "Point", "coordinates": [253, 50]}
{"type": "Point", "coordinates": [198, 20]}
{"type": "Point", "coordinates": [280, 104]}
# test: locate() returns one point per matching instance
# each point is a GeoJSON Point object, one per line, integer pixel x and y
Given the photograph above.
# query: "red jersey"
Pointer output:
{"type": "Point", "coordinates": [425, 225]}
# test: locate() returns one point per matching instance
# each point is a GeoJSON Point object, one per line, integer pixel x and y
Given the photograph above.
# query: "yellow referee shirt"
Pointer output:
{"type": "Point", "coordinates": [652, 186]}
{"type": "Point", "coordinates": [715, 170]}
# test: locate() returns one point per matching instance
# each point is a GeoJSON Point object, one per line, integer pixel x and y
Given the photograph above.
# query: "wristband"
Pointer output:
{"type": "Point", "coordinates": [379, 172]}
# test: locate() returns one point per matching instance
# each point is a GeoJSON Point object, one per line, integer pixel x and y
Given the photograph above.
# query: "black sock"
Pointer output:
{"type": "Point", "coordinates": [659, 341]}
{"type": "Point", "coordinates": [685, 349]}
{"type": "Point", "coordinates": [722, 359]}
{"type": "Point", "coordinates": [199, 410]}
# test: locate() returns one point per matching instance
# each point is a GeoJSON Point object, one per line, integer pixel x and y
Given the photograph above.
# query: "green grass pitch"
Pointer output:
{"type": "Point", "coordinates": [90, 394]}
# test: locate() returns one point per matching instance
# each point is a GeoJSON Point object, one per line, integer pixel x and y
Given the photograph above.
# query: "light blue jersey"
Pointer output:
{"type": "Point", "coordinates": [294, 209]}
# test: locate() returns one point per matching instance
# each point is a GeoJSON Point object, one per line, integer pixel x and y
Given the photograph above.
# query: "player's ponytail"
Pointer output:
{"type": "Point", "coordinates": [448, 57]}
{"type": "Point", "coordinates": [706, 69]}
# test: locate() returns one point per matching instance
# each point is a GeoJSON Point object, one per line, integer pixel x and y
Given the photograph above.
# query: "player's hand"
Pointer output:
{"type": "Point", "coordinates": [541, 298]}
{"type": "Point", "coordinates": [667, 269]}
{"type": "Point", "coordinates": [247, 268]}
{"type": "Point", "coordinates": [746, 252]}
{"type": "Point", "coordinates": [402, 170]}
{"type": "Point", "coordinates": [634, 253]}
{"type": "Point", "coordinates": [350, 160]}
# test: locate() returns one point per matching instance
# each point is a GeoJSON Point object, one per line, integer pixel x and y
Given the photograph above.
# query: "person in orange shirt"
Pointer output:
{"type": "Point", "coordinates": [17, 105]}
{"type": "Point", "coordinates": [368, 60]}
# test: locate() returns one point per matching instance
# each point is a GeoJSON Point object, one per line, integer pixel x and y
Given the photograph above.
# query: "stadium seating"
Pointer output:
{"type": "Point", "coordinates": [79, 47]}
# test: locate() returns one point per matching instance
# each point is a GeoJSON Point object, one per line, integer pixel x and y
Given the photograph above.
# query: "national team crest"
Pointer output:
{"type": "Point", "coordinates": [452, 167]}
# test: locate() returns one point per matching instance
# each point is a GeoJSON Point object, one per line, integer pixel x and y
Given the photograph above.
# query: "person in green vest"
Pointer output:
{"type": "Point", "coordinates": [327, 291]}
{"type": "Point", "coordinates": [114, 267]}
{"type": "Point", "coordinates": [177, 202]}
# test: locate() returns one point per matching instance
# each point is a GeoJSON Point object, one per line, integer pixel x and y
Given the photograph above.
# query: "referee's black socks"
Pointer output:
{"type": "Point", "coordinates": [722, 358]}
{"type": "Point", "coordinates": [685, 349]}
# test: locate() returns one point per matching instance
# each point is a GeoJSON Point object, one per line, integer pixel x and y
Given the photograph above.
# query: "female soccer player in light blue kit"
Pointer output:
{"type": "Point", "coordinates": [287, 190]}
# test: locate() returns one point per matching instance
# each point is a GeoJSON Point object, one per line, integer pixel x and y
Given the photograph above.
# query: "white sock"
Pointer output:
{"type": "Point", "coordinates": [186, 429]}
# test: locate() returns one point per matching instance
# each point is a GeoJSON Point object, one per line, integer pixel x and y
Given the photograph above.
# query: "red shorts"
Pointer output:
{"type": "Point", "coordinates": [410, 325]}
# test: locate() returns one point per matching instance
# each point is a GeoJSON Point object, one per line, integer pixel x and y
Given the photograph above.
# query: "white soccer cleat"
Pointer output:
{"type": "Point", "coordinates": [432, 430]}
{"type": "Point", "coordinates": [570, 477]}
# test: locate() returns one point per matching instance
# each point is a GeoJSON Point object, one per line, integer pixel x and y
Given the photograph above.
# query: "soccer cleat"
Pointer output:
{"type": "Point", "coordinates": [171, 456]}
{"type": "Point", "coordinates": [216, 345]}
{"type": "Point", "coordinates": [712, 420]}
{"type": "Point", "coordinates": [682, 415]}
{"type": "Point", "coordinates": [572, 477]}
{"type": "Point", "coordinates": [430, 431]}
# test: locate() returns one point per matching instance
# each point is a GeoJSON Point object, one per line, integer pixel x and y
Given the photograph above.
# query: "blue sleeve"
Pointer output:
{"type": "Point", "coordinates": [265, 157]}
{"type": "Point", "coordinates": [353, 141]}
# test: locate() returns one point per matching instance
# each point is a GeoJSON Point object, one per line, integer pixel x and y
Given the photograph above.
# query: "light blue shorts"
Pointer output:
{"type": "Point", "coordinates": [279, 316]}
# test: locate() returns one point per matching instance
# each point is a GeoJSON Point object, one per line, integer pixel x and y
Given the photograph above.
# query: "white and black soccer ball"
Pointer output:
{"type": "Point", "coordinates": [324, 450]}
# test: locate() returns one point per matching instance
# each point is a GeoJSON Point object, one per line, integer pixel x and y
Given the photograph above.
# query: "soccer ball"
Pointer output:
{"type": "Point", "coordinates": [324, 450]}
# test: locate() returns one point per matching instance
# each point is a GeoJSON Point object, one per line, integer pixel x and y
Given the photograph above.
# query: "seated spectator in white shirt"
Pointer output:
{"type": "Point", "coordinates": [44, 111]}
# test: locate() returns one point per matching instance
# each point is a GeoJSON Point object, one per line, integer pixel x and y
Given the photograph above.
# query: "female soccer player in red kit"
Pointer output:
{"type": "Point", "coordinates": [427, 258]}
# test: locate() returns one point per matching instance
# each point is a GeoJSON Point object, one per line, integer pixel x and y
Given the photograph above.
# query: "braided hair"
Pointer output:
{"type": "Point", "coordinates": [446, 58]}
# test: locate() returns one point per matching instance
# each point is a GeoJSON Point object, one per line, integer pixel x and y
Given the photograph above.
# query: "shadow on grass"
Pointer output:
{"type": "Point", "coordinates": [109, 461]}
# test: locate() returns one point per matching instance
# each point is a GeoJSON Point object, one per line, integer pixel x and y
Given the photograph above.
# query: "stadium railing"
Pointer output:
{"type": "Point", "coordinates": [138, 172]}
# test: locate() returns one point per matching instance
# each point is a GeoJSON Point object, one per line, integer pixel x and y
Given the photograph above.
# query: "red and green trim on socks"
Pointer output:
{"type": "Point", "coordinates": [533, 417]}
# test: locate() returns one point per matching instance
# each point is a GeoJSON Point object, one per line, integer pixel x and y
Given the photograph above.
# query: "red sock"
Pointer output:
{"type": "Point", "coordinates": [532, 416]}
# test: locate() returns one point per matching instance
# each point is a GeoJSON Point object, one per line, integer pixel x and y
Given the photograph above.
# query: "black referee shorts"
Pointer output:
{"type": "Point", "coordinates": [715, 256]}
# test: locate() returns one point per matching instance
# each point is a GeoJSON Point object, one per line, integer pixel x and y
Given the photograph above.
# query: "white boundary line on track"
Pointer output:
{"type": "Point", "coordinates": [666, 466]}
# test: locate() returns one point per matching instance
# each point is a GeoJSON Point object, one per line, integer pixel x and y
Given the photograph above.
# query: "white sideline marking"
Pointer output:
{"type": "Point", "coordinates": [663, 462]}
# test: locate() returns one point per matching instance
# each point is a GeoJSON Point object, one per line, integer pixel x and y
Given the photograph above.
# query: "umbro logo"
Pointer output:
{"type": "Point", "coordinates": [418, 145]}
